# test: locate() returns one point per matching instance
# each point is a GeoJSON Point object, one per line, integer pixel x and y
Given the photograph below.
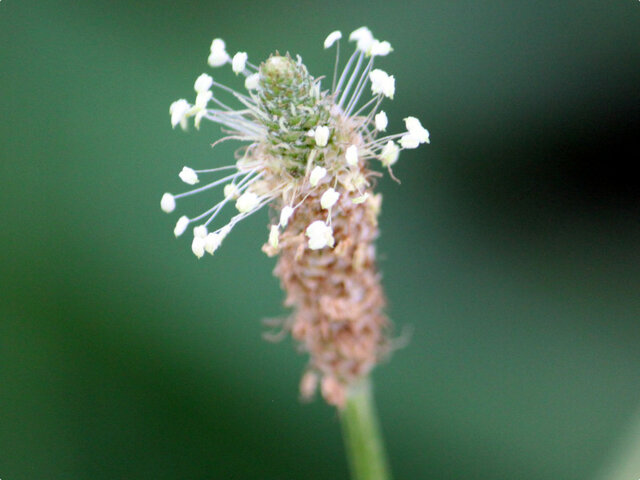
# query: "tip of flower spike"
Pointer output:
{"type": "Point", "coordinates": [168, 203]}
{"type": "Point", "coordinates": [277, 67]}
{"type": "Point", "coordinates": [181, 226]}
{"type": "Point", "coordinates": [332, 38]}
{"type": "Point", "coordinates": [320, 235]}
{"type": "Point", "coordinates": [188, 176]}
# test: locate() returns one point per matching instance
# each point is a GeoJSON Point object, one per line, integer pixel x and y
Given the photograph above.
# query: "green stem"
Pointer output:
{"type": "Point", "coordinates": [362, 437]}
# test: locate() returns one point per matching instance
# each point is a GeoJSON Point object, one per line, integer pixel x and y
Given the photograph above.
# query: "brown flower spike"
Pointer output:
{"type": "Point", "coordinates": [308, 156]}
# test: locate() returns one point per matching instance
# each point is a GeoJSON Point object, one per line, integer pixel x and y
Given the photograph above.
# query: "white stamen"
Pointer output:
{"type": "Point", "coordinates": [383, 83]}
{"type": "Point", "coordinates": [416, 130]}
{"type": "Point", "coordinates": [168, 203]}
{"type": "Point", "coordinates": [197, 246]}
{"type": "Point", "coordinates": [389, 154]}
{"type": "Point", "coordinates": [231, 191]}
{"type": "Point", "coordinates": [352, 155]}
{"type": "Point", "coordinates": [380, 48]}
{"type": "Point", "coordinates": [239, 62]}
{"type": "Point", "coordinates": [181, 226]}
{"type": "Point", "coordinates": [332, 38]}
{"type": "Point", "coordinates": [252, 81]}
{"type": "Point", "coordinates": [200, 231]}
{"type": "Point", "coordinates": [381, 121]}
{"type": "Point", "coordinates": [203, 83]}
{"type": "Point", "coordinates": [320, 235]}
{"type": "Point", "coordinates": [212, 242]}
{"type": "Point", "coordinates": [329, 198]}
{"type": "Point", "coordinates": [359, 199]}
{"type": "Point", "coordinates": [363, 37]}
{"type": "Point", "coordinates": [285, 214]}
{"type": "Point", "coordinates": [178, 111]}
{"type": "Point", "coordinates": [247, 202]}
{"type": "Point", "coordinates": [321, 136]}
{"type": "Point", "coordinates": [317, 174]}
{"type": "Point", "coordinates": [189, 176]}
{"type": "Point", "coordinates": [408, 141]}
{"type": "Point", "coordinates": [219, 55]}
{"type": "Point", "coordinates": [274, 235]}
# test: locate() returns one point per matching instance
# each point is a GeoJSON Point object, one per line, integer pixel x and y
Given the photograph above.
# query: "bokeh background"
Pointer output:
{"type": "Point", "coordinates": [510, 250]}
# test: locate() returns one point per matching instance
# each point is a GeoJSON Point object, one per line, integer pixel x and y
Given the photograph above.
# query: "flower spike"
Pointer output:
{"type": "Point", "coordinates": [307, 153]}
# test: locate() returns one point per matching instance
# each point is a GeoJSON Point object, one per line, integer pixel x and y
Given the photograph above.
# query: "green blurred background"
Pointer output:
{"type": "Point", "coordinates": [511, 249]}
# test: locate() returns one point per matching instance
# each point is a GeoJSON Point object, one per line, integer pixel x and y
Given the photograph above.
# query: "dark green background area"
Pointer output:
{"type": "Point", "coordinates": [511, 250]}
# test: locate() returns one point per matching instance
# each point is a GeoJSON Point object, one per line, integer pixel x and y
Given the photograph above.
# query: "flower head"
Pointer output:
{"type": "Point", "coordinates": [307, 153]}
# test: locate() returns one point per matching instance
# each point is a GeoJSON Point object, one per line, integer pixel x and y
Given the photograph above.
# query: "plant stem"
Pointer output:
{"type": "Point", "coordinates": [362, 436]}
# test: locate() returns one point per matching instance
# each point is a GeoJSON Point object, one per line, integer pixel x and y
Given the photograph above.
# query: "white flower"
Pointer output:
{"type": "Point", "coordinates": [380, 48]}
{"type": "Point", "coordinates": [247, 202]}
{"type": "Point", "coordinates": [320, 235]}
{"type": "Point", "coordinates": [408, 141]}
{"type": "Point", "coordinates": [211, 242]}
{"type": "Point", "coordinates": [252, 81]}
{"type": "Point", "coordinates": [381, 121]}
{"type": "Point", "coordinates": [197, 246]}
{"type": "Point", "coordinates": [181, 226]}
{"type": "Point", "coordinates": [239, 62]}
{"type": "Point", "coordinates": [317, 174]}
{"type": "Point", "coordinates": [188, 175]}
{"type": "Point", "coordinates": [274, 235]}
{"type": "Point", "coordinates": [200, 231]}
{"type": "Point", "coordinates": [389, 154]}
{"type": "Point", "coordinates": [285, 214]}
{"type": "Point", "coordinates": [332, 38]}
{"type": "Point", "coordinates": [383, 83]}
{"type": "Point", "coordinates": [219, 55]}
{"type": "Point", "coordinates": [178, 111]}
{"type": "Point", "coordinates": [363, 37]}
{"type": "Point", "coordinates": [203, 83]}
{"type": "Point", "coordinates": [168, 203]}
{"type": "Point", "coordinates": [329, 198]}
{"type": "Point", "coordinates": [352, 155]}
{"type": "Point", "coordinates": [326, 165]}
{"type": "Point", "coordinates": [321, 136]}
{"type": "Point", "coordinates": [231, 191]}
{"type": "Point", "coordinates": [416, 130]}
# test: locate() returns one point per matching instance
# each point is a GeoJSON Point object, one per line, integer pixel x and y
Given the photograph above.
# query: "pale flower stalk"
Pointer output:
{"type": "Point", "coordinates": [309, 153]}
